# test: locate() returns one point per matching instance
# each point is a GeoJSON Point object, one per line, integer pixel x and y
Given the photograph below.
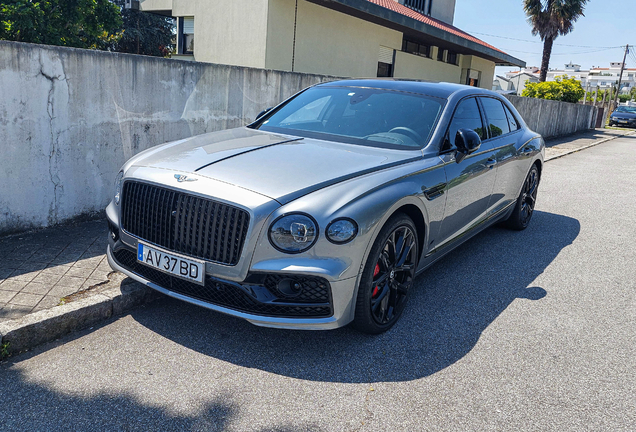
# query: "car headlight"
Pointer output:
{"type": "Point", "coordinates": [118, 180]}
{"type": "Point", "coordinates": [293, 233]}
{"type": "Point", "coordinates": [341, 231]}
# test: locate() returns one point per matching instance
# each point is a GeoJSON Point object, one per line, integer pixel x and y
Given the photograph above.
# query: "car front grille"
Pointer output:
{"type": "Point", "coordinates": [184, 223]}
{"type": "Point", "coordinates": [315, 291]}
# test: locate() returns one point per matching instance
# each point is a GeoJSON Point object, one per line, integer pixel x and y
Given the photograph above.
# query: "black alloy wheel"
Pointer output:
{"type": "Point", "coordinates": [387, 277]}
{"type": "Point", "coordinates": [524, 209]}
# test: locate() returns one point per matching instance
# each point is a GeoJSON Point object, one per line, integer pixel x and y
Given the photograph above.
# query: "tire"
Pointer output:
{"type": "Point", "coordinates": [524, 209]}
{"type": "Point", "coordinates": [387, 277]}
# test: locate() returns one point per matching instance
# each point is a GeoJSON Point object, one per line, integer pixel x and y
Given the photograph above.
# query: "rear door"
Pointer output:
{"type": "Point", "coordinates": [504, 134]}
{"type": "Point", "coordinates": [470, 182]}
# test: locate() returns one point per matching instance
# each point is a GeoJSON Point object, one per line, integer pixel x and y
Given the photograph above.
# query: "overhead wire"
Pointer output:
{"type": "Point", "coordinates": [540, 42]}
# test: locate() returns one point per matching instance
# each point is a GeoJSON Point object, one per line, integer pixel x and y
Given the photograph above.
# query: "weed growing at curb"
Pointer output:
{"type": "Point", "coordinates": [4, 350]}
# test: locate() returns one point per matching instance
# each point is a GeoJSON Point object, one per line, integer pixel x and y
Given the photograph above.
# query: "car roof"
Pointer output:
{"type": "Point", "coordinates": [436, 89]}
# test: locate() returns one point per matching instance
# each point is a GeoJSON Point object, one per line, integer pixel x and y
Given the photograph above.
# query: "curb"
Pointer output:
{"type": "Point", "coordinates": [604, 140]}
{"type": "Point", "coordinates": [48, 325]}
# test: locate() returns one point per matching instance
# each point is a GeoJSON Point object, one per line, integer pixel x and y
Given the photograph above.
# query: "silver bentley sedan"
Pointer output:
{"type": "Point", "coordinates": [323, 211]}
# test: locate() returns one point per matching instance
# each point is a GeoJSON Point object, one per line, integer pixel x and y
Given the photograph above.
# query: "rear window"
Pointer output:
{"type": "Point", "coordinates": [497, 119]}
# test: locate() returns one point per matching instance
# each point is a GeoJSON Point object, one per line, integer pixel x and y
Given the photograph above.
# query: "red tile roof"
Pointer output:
{"type": "Point", "coordinates": [401, 9]}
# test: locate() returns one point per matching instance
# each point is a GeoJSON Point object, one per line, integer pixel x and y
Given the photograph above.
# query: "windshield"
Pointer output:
{"type": "Point", "coordinates": [626, 109]}
{"type": "Point", "coordinates": [372, 117]}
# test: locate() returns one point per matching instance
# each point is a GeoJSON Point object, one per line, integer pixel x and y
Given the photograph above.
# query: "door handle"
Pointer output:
{"type": "Point", "coordinates": [490, 163]}
{"type": "Point", "coordinates": [434, 192]}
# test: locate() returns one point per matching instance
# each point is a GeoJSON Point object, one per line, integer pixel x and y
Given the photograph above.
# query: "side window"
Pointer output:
{"type": "Point", "coordinates": [498, 122]}
{"type": "Point", "coordinates": [514, 125]}
{"type": "Point", "coordinates": [466, 116]}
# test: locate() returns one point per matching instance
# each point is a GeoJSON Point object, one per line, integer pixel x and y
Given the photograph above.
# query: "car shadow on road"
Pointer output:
{"type": "Point", "coordinates": [32, 405]}
{"type": "Point", "coordinates": [452, 303]}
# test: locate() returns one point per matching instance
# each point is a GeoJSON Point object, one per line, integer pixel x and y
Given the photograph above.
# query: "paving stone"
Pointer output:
{"type": "Point", "coordinates": [100, 274]}
{"type": "Point", "coordinates": [67, 257]}
{"type": "Point", "coordinates": [23, 275]}
{"type": "Point", "coordinates": [92, 282]}
{"type": "Point", "coordinates": [70, 281]}
{"type": "Point", "coordinates": [13, 285]}
{"type": "Point", "coordinates": [26, 299]}
{"type": "Point", "coordinates": [5, 273]}
{"type": "Point", "coordinates": [89, 263]}
{"type": "Point", "coordinates": [47, 302]}
{"type": "Point", "coordinates": [6, 296]}
{"type": "Point", "coordinates": [47, 278]}
{"type": "Point", "coordinates": [45, 257]}
{"type": "Point", "coordinates": [9, 311]}
{"type": "Point", "coordinates": [60, 269]}
{"type": "Point", "coordinates": [37, 288]}
{"type": "Point", "coordinates": [60, 291]}
{"type": "Point", "coordinates": [30, 266]}
{"type": "Point", "coordinates": [80, 272]}
{"type": "Point", "coordinates": [9, 263]}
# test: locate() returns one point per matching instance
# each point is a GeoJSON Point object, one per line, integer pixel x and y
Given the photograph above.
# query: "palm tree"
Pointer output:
{"type": "Point", "coordinates": [549, 19]}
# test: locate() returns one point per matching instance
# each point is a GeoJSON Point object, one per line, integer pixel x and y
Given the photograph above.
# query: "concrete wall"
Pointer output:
{"type": "Point", "coordinates": [69, 118]}
{"type": "Point", "coordinates": [552, 118]}
{"type": "Point", "coordinates": [443, 10]}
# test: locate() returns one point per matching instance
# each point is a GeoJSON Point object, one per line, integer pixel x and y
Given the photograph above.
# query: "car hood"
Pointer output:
{"type": "Point", "coordinates": [623, 115]}
{"type": "Point", "coordinates": [281, 167]}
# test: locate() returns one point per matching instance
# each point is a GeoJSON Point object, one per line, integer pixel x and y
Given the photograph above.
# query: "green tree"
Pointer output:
{"type": "Point", "coordinates": [561, 89]}
{"type": "Point", "coordinates": [549, 19]}
{"type": "Point", "coordinates": [624, 98]}
{"type": "Point", "coordinates": [145, 33]}
{"type": "Point", "coordinates": [75, 23]}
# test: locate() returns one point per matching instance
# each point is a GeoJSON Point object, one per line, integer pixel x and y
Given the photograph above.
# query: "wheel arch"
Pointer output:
{"type": "Point", "coordinates": [417, 217]}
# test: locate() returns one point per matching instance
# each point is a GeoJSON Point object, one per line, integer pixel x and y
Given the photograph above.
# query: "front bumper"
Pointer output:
{"type": "Point", "coordinates": [339, 312]}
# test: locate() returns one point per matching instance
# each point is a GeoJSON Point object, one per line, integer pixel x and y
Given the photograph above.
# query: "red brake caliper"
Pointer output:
{"type": "Point", "coordinates": [375, 273]}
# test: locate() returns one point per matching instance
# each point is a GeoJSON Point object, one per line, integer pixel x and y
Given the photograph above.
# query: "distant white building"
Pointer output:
{"type": "Point", "coordinates": [515, 81]}
{"type": "Point", "coordinates": [593, 79]}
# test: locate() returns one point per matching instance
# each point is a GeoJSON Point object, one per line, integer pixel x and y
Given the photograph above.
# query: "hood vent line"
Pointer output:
{"type": "Point", "coordinates": [247, 151]}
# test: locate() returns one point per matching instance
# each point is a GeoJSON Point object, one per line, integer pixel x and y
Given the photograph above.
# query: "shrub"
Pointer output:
{"type": "Point", "coordinates": [561, 89]}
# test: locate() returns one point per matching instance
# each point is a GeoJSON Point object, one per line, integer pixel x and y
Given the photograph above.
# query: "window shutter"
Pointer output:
{"type": "Point", "coordinates": [385, 55]}
{"type": "Point", "coordinates": [188, 25]}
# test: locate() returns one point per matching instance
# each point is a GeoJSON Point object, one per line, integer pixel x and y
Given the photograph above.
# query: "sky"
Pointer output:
{"type": "Point", "coordinates": [607, 24]}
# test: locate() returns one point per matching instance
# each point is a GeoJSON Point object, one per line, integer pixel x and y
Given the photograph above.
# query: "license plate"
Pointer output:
{"type": "Point", "coordinates": [175, 265]}
{"type": "Point", "coordinates": [623, 121]}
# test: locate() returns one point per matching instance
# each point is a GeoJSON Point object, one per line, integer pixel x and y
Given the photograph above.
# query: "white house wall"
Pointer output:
{"type": "Point", "coordinates": [327, 41]}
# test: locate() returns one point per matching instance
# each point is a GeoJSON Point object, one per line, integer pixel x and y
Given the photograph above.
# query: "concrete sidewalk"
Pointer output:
{"type": "Point", "coordinates": [558, 147]}
{"type": "Point", "coordinates": [57, 280]}
{"type": "Point", "coordinates": [41, 268]}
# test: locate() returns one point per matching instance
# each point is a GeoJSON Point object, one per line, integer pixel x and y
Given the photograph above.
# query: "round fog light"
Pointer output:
{"type": "Point", "coordinates": [342, 231]}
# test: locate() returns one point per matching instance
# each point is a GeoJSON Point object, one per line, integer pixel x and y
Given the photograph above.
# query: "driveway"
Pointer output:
{"type": "Point", "coordinates": [532, 330]}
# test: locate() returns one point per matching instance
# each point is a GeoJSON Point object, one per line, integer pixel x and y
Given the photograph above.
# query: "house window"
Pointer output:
{"type": "Point", "coordinates": [385, 62]}
{"type": "Point", "coordinates": [385, 70]}
{"type": "Point", "coordinates": [185, 35]}
{"type": "Point", "coordinates": [440, 54]}
{"type": "Point", "coordinates": [411, 47]}
{"type": "Point", "coordinates": [452, 58]}
{"type": "Point", "coordinates": [423, 6]}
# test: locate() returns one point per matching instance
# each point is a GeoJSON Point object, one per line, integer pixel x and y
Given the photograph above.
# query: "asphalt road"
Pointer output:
{"type": "Point", "coordinates": [515, 331]}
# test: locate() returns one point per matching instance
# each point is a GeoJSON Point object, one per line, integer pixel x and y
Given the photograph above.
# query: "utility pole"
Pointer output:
{"type": "Point", "coordinates": [620, 77]}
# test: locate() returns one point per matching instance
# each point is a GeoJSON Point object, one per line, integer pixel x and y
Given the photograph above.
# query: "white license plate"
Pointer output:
{"type": "Point", "coordinates": [175, 265]}
{"type": "Point", "coordinates": [623, 121]}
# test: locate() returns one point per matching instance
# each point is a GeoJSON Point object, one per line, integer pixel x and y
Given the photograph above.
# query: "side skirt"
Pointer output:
{"type": "Point", "coordinates": [438, 253]}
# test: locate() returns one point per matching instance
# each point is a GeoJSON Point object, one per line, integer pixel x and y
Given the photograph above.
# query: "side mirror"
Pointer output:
{"type": "Point", "coordinates": [262, 113]}
{"type": "Point", "coordinates": [467, 141]}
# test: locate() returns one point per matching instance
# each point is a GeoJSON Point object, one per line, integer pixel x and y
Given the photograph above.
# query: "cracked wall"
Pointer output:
{"type": "Point", "coordinates": [70, 118]}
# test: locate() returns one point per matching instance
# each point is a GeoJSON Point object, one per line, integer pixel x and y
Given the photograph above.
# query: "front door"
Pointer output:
{"type": "Point", "coordinates": [470, 182]}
